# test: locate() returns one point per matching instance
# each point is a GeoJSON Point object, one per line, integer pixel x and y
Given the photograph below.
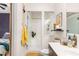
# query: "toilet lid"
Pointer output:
{"type": "Point", "coordinates": [46, 51]}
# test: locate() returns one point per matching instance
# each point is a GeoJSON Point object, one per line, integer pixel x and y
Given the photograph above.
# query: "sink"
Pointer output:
{"type": "Point", "coordinates": [74, 53]}
{"type": "Point", "coordinates": [62, 50]}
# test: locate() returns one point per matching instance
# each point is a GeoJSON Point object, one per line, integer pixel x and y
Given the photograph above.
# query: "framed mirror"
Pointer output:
{"type": "Point", "coordinates": [5, 29]}
{"type": "Point", "coordinates": [58, 22]}
{"type": "Point", "coordinates": [73, 22]}
{"type": "Point", "coordinates": [58, 19]}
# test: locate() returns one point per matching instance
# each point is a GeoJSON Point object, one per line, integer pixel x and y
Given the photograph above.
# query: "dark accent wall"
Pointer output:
{"type": "Point", "coordinates": [4, 23]}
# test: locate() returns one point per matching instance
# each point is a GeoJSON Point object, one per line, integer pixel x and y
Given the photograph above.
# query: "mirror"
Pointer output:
{"type": "Point", "coordinates": [73, 22]}
{"type": "Point", "coordinates": [5, 29]}
{"type": "Point", "coordinates": [58, 21]}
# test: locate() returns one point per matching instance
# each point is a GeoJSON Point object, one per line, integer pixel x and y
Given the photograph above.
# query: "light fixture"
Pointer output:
{"type": "Point", "coordinates": [3, 6]}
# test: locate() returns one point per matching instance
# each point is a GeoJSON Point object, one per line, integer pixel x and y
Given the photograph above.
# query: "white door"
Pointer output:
{"type": "Point", "coordinates": [35, 27]}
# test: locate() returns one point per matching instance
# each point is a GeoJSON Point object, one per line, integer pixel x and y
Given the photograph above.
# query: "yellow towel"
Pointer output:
{"type": "Point", "coordinates": [24, 40]}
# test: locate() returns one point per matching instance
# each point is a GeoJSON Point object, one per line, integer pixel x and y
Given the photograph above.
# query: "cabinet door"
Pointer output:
{"type": "Point", "coordinates": [51, 51]}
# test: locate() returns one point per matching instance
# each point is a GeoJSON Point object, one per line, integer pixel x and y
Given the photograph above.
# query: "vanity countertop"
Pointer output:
{"type": "Point", "coordinates": [62, 50]}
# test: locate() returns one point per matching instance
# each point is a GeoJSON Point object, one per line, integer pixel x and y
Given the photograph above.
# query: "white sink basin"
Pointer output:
{"type": "Point", "coordinates": [72, 53]}
{"type": "Point", "coordinates": [62, 50]}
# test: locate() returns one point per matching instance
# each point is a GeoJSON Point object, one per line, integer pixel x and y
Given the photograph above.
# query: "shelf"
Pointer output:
{"type": "Point", "coordinates": [58, 30]}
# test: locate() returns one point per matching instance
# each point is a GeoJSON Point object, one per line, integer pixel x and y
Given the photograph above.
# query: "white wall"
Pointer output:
{"type": "Point", "coordinates": [64, 8]}
{"type": "Point", "coordinates": [17, 21]}
{"type": "Point", "coordinates": [7, 10]}
{"type": "Point", "coordinates": [17, 49]}
{"type": "Point", "coordinates": [58, 9]}
{"type": "Point", "coordinates": [73, 8]}
{"type": "Point", "coordinates": [41, 7]}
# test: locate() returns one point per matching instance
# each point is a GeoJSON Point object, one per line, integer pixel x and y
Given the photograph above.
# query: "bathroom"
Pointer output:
{"type": "Point", "coordinates": [40, 18]}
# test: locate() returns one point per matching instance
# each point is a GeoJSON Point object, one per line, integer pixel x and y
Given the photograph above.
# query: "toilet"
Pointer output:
{"type": "Point", "coordinates": [44, 52]}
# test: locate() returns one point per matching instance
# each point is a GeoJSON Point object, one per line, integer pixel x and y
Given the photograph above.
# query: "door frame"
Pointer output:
{"type": "Point", "coordinates": [10, 28]}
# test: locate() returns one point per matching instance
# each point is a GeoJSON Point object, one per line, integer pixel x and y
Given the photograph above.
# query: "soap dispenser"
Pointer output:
{"type": "Point", "coordinates": [74, 41]}
{"type": "Point", "coordinates": [69, 41]}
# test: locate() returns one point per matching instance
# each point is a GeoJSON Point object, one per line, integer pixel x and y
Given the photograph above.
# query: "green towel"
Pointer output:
{"type": "Point", "coordinates": [6, 45]}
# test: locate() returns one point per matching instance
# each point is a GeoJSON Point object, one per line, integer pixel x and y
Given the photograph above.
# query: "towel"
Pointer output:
{"type": "Point", "coordinates": [6, 45]}
{"type": "Point", "coordinates": [24, 40]}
